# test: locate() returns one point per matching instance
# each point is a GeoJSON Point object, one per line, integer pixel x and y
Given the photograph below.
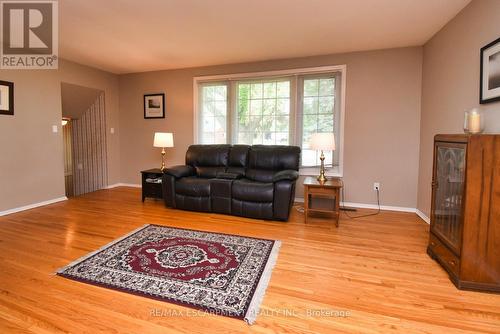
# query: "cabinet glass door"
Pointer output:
{"type": "Point", "coordinates": [449, 177]}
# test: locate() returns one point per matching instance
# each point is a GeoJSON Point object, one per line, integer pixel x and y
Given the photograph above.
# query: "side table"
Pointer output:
{"type": "Point", "coordinates": [151, 183]}
{"type": "Point", "coordinates": [329, 189]}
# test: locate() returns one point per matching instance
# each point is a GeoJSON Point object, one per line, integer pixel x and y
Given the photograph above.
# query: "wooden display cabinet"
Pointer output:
{"type": "Point", "coordinates": [465, 212]}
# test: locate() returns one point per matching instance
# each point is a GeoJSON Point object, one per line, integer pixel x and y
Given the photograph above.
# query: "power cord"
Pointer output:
{"type": "Point", "coordinates": [346, 211]}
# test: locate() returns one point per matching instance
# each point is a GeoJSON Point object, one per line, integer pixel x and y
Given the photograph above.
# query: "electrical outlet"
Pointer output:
{"type": "Point", "coordinates": [376, 186]}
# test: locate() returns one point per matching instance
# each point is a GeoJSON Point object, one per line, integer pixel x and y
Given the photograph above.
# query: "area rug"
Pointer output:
{"type": "Point", "coordinates": [219, 273]}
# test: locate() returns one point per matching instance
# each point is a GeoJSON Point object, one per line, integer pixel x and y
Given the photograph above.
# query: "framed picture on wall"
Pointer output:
{"type": "Point", "coordinates": [6, 98]}
{"type": "Point", "coordinates": [490, 73]}
{"type": "Point", "coordinates": [154, 105]}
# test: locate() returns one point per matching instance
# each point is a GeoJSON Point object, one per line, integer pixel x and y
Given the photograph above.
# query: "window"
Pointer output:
{"type": "Point", "coordinates": [263, 113]}
{"type": "Point", "coordinates": [318, 115]}
{"type": "Point", "coordinates": [213, 127]}
{"type": "Point", "coordinates": [273, 108]}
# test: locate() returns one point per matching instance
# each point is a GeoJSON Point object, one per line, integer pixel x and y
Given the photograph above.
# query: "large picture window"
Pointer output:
{"type": "Point", "coordinates": [274, 108]}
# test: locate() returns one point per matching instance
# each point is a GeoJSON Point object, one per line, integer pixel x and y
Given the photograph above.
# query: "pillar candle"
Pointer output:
{"type": "Point", "coordinates": [474, 122]}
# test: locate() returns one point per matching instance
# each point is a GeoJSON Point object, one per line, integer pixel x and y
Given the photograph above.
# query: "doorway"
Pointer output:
{"type": "Point", "coordinates": [84, 139]}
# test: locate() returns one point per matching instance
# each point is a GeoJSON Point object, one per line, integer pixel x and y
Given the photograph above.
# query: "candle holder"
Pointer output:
{"type": "Point", "coordinates": [473, 121]}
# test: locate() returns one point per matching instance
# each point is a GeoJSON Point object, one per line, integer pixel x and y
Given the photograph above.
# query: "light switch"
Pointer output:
{"type": "Point", "coordinates": [112, 130]}
{"type": "Point", "coordinates": [54, 128]}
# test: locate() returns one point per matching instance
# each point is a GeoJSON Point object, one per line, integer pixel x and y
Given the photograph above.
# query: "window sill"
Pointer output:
{"type": "Point", "coordinates": [314, 171]}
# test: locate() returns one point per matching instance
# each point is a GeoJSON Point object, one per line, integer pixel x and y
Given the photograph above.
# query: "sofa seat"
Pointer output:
{"type": "Point", "coordinates": [252, 191]}
{"type": "Point", "coordinates": [193, 186]}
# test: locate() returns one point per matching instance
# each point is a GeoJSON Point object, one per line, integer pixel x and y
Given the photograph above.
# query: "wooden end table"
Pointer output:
{"type": "Point", "coordinates": [151, 188]}
{"type": "Point", "coordinates": [329, 189]}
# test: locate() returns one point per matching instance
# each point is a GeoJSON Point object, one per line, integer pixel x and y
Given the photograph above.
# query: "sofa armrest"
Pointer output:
{"type": "Point", "coordinates": [287, 174]}
{"type": "Point", "coordinates": [180, 171]}
{"type": "Point", "coordinates": [229, 176]}
{"type": "Point", "coordinates": [284, 195]}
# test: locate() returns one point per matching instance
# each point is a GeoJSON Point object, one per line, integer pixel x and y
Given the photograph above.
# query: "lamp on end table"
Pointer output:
{"type": "Point", "coordinates": [163, 139]}
{"type": "Point", "coordinates": [322, 142]}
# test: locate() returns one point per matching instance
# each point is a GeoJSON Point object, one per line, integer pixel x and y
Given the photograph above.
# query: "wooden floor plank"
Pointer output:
{"type": "Point", "coordinates": [373, 270]}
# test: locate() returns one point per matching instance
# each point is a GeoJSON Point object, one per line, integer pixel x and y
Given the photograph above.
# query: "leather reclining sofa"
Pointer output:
{"type": "Point", "coordinates": [251, 181]}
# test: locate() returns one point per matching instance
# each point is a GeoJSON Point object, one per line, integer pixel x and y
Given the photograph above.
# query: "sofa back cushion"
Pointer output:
{"type": "Point", "coordinates": [238, 159]}
{"type": "Point", "coordinates": [265, 160]}
{"type": "Point", "coordinates": [257, 162]}
{"type": "Point", "coordinates": [208, 160]}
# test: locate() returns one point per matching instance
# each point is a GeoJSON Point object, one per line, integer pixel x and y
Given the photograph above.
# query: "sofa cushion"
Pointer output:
{"type": "Point", "coordinates": [209, 172]}
{"type": "Point", "coordinates": [207, 155]}
{"type": "Point", "coordinates": [195, 203]}
{"type": "Point", "coordinates": [265, 160]}
{"type": "Point", "coordinates": [252, 209]}
{"type": "Point", "coordinates": [238, 159]}
{"type": "Point", "coordinates": [261, 175]}
{"type": "Point", "coordinates": [229, 176]}
{"type": "Point", "coordinates": [274, 157]}
{"type": "Point", "coordinates": [252, 191]}
{"type": "Point", "coordinates": [208, 160]}
{"type": "Point", "coordinates": [220, 187]}
{"type": "Point", "coordinates": [193, 186]}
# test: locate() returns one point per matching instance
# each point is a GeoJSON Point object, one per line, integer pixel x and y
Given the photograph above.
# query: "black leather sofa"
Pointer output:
{"type": "Point", "coordinates": [252, 181]}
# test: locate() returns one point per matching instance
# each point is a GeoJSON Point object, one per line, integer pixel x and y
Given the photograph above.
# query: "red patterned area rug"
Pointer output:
{"type": "Point", "coordinates": [219, 273]}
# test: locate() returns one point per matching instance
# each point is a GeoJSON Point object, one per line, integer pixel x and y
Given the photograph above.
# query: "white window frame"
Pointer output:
{"type": "Point", "coordinates": [342, 69]}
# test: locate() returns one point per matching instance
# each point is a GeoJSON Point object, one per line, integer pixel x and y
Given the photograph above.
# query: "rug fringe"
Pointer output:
{"type": "Point", "coordinates": [83, 258]}
{"type": "Point", "coordinates": [260, 291]}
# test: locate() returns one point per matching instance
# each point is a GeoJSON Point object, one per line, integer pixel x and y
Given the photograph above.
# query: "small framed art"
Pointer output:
{"type": "Point", "coordinates": [6, 98]}
{"type": "Point", "coordinates": [154, 105]}
{"type": "Point", "coordinates": [489, 90]}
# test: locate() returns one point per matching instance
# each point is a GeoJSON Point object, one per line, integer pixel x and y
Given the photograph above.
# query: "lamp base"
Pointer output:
{"type": "Point", "coordinates": [321, 177]}
{"type": "Point", "coordinates": [163, 168]}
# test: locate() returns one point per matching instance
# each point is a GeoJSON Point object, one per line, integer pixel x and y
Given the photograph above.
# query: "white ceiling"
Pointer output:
{"type": "Point", "coordinates": [124, 36]}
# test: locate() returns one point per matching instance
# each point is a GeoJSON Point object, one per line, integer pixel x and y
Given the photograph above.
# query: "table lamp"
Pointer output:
{"type": "Point", "coordinates": [322, 142]}
{"type": "Point", "coordinates": [163, 139]}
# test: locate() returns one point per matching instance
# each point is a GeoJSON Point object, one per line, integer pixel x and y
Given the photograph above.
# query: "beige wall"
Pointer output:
{"type": "Point", "coordinates": [451, 82]}
{"type": "Point", "coordinates": [31, 156]}
{"type": "Point", "coordinates": [381, 129]}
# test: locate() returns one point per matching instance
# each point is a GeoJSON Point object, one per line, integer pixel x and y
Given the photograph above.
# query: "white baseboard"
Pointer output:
{"type": "Point", "coordinates": [133, 185]}
{"type": "Point", "coordinates": [382, 207]}
{"type": "Point", "coordinates": [369, 206]}
{"type": "Point", "coordinates": [32, 206]}
{"type": "Point", "coordinates": [423, 216]}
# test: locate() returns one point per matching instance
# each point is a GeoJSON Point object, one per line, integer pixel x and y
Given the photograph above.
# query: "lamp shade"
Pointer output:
{"type": "Point", "coordinates": [322, 142]}
{"type": "Point", "coordinates": [163, 139]}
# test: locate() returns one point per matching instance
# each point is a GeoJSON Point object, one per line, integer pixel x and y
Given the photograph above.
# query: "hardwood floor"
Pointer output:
{"type": "Point", "coordinates": [375, 269]}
